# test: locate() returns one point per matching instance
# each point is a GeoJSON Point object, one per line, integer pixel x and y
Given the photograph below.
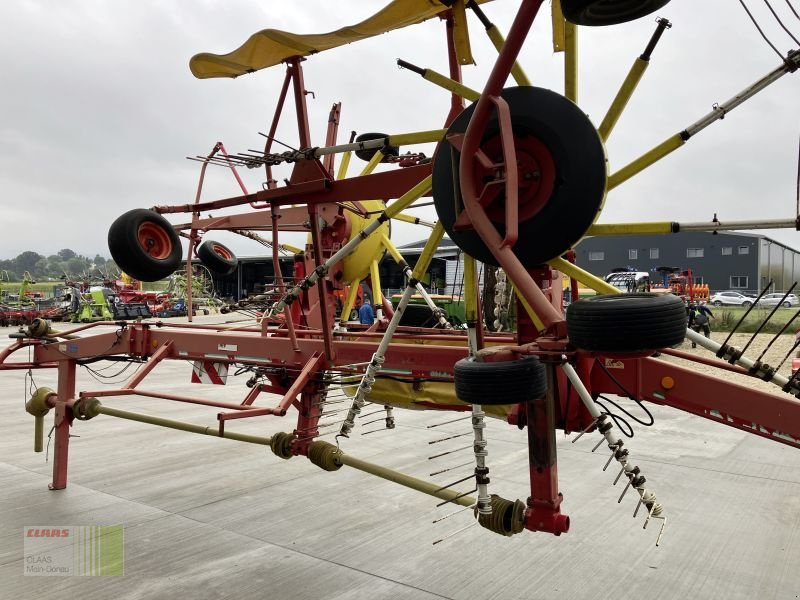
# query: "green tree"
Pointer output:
{"type": "Point", "coordinates": [66, 253]}
{"type": "Point", "coordinates": [27, 262]}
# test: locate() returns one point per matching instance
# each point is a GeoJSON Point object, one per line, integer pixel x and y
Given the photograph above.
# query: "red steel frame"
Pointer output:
{"type": "Point", "coordinates": [308, 351]}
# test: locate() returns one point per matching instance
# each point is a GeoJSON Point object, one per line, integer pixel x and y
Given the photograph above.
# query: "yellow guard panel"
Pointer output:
{"type": "Point", "coordinates": [270, 47]}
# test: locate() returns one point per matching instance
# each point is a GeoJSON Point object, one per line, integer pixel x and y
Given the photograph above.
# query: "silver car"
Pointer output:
{"type": "Point", "coordinates": [731, 298]}
{"type": "Point", "coordinates": [777, 298]}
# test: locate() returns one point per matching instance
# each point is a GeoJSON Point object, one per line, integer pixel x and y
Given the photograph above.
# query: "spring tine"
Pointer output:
{"type": "Point", "coordinates": [608, 462]}
{"type": "Point", "coordinates": [448, 422]}
{"type": "Point", "coordinates": [636, 511]}
{"type": "Point", "coordinates": [625, 491]}
{"type": "Point", "coordinates": [468, 464]}
{"type": "Point", "coordinates": [598, 444]}
{"type": "Point", "coordinates": [330, 412]}
{"type": "Point", "coordinates": [616, 479]}
{"type": "Point", "coordinates": [449, 485]}
{"type": "Point", "coordinates": [451, 437]}
{"type": "Point", "coordinates": [450, 452]}
{"type": "Point", "coordinates": [747, 312]}
{"type": "Point", "coordinates": [592, 424]}
{"type": "Point", "coordinates": [455, 512]}
{"type": "Point", "coordinates": [331, 424]}
{"type": "Point", "coordinates": [457, 497]}
{"type": "Point", "coordinates": [447, 537]}
{"type": "Point", "coordinates": [661, 531]}
{"type": "Point", "coordinates": [374, 421]}
{"type": "Point", "coordinates": [788, 354]}
{"type": "Point", "coordinates": [778, 335]}
{"type": "Point", "coordinates": [769, 316]}
{"type": "Point", "coordinates": [375, 412]}
{"type": "Point", "coordinates": [376, 430]}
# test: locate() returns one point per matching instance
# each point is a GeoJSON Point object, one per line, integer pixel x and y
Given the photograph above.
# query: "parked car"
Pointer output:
{"type": "Point", "coordinates": [731, 298]}
{"type": "Point", "coordinates": [775, 299]}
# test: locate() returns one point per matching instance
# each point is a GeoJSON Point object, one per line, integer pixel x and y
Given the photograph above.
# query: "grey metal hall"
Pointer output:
{"type": "Point", "coordinates": [723, 261]}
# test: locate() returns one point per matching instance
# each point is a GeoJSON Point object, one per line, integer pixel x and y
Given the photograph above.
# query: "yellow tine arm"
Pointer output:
{"type": "Point", "coordinates": [644, 161]}
{"type": "Point", "coordinates": [411, 196]}
{"type": "Point", "coordinates": [427, 252]}
{"type": "Point", "coordinates": [344, 165]}
{"type": "Point", "coordinates": [571, 62]}
{"type": "Point", "coordinates": [406, 218]}
{"type": "Point", "coordinates": [586, 278]}
{"type": "Point", "coordinates": [499, 41]}
{"type": "Point", "coordinates": [417, 137]}
{"type": "Point", "coordinates": [623, 95]}
{"type": "Point", "coordinates": [349, 302]}
{"type": "Point", "coordinates": [377, 298]}
{"type": "Point", "coordinates": [631, 228]}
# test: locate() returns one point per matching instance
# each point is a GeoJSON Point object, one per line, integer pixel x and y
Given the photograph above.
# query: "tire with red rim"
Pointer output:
{"type": "Point", "coordinates": [219, 259]}
{"type": "Point", "coordinates": [144, 245]}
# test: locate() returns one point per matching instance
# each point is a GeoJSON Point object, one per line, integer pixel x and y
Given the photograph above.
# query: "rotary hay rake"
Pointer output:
{"type": "Point", "coordinates": [525, 219]}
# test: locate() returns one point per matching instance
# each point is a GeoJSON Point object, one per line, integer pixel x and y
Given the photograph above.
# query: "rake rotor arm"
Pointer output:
{"type": "Point", "coordinates": [715, 398]}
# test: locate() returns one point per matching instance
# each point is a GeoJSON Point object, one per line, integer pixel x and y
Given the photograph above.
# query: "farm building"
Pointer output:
{"type": "Point", "coordinates": [724, 261]}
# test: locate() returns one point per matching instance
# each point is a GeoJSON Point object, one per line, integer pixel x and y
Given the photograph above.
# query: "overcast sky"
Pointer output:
{"type": "Point", "coordinates": [99, 109]}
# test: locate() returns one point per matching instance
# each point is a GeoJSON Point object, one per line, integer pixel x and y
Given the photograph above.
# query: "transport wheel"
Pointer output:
{"type": "Point", "coordinates": [496, 383]}
{"type": "Point", "coordinates": [218, 258]}
{"type": "Point", "coordinates": [367, 154]}
{"type": "Point", "coordinates": [626, 322]}
{"type": "Point", "coordinates": [144, 245]}
{"type": "Point", "coordinates": [562, 172]}
{"type": "Point", "coordinates": [608, 12]}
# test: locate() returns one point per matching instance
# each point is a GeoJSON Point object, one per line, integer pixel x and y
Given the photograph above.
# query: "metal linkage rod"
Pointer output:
{"type": "Point", "coordinates": [368, 380]}
{"type": "Point", "coordinates": [789, 65]}
{"type": "Point", "coordinates": [674, 227]}
{"type": "Point", "coordinates": [615, 444]}
{"type": "Point", "coordinates": [399, 205]}
{"type": "Point", "coordinates": [478, 416]}
{"type": "Point", "coordinates": [437, 311]}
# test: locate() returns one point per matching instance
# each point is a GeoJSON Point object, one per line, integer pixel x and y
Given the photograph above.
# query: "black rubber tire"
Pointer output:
{"type": "Point", "coordinates": [787, 304]}
{"type": "Point", "coordinates": [219, 259]}
{"type": "Point", "coordinates": [367, 154]}
{"type": "Point", "coordinates": [598, 13]}
{"type": "Point", "coordinates": [417, 315]}
{"type": "Point", "coordinates": [145, 264]}
{"type": "Point", "coordinates": [580, 176]}
{"type": "Point", "coordinates": [717, 303]}
{"type": "Point", "coordinates": [626, 322]}
{"type": "Point", "coordinates": [497, 383]}
{"type": "Point", "coordinates": [746, 304]}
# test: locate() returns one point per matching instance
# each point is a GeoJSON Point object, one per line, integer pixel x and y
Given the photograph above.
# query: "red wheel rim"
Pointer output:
{"type": "Point", "coordinates": [222, 251]}
{"type": "Point", "coordinates": [536, 174]}
{"type": "Point", "coordinates": [154, 240]}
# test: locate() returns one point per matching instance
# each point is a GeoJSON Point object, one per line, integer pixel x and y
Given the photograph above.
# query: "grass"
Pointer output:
{"type": "Point", "coordinates": [726, 318]}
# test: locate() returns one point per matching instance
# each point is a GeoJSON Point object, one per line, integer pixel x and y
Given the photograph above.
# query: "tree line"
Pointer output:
{"type": "Point", "coordinates": [65, 262]}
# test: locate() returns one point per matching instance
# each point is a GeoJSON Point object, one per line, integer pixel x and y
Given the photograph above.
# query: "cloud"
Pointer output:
{"type": "Point", "coordinates": [100, 110]}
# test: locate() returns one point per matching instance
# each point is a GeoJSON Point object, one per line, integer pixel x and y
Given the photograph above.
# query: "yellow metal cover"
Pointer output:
{"type": "Point", "coordinates": [270, 47]}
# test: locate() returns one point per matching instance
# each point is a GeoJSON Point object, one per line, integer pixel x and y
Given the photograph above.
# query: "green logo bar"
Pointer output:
{"type": "Point", "coordinates": [89, 550]}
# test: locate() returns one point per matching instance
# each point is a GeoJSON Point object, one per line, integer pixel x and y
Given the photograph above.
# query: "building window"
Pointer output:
{"type": "Point", "coordinates": [739, 282]}
{"type": "Point", "coordinates": [653, 252]}
{"type": "Point", "coordinates": [597, 255]}
{"type": "Point", "coordinates": [727, 251]}
{"type": "Point", "coordinates": [694, 253]}
{"type": "Point", "coordinates": [744, 249]}
{"type": "Point", "coordinates": [633, 254]}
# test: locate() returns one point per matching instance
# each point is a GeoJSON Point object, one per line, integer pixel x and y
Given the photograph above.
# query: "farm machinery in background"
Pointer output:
{"type": "Point", "coordinates": [20, 306]}
{"type": "Point", "coordinates": [518, 177]}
